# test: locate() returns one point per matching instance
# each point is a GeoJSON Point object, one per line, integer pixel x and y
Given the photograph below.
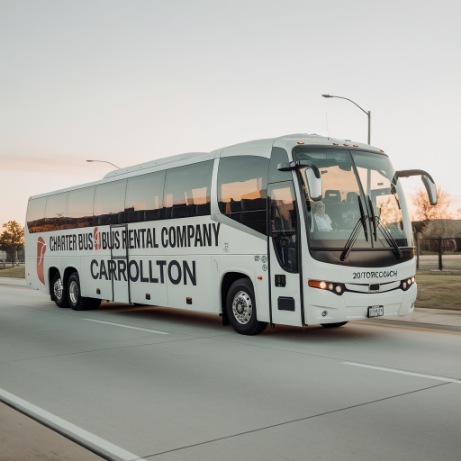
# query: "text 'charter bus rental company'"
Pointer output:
{"type": "Point", "coordinates": [297, 230]}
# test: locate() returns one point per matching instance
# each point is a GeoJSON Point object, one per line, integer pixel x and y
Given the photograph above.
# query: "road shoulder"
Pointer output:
{"type": "Point", "coordinates": [22, 438]}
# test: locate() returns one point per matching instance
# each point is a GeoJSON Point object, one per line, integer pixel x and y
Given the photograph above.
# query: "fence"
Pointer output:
{"type": "Point", "coordinates": [441, 253]}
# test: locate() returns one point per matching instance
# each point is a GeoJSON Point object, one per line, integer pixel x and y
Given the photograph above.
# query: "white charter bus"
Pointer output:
{"type": "Point", "coordinates": [239, 231]}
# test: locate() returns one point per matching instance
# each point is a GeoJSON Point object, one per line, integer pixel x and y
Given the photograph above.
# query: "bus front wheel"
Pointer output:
{"type": "Point", "coordinates": [76, 301]}
{"type": "Point", "coordinates": [241, 308]}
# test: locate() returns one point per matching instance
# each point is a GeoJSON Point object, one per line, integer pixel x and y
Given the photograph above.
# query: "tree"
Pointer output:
{"type": "Point", "coordinates": [389, 211]}
{"type": "Point", "coordinates": [437, 220]}
{"type": "Point", "coordinates": [426, 212]}
{"type": "Point", "coordinates": [12, 239]}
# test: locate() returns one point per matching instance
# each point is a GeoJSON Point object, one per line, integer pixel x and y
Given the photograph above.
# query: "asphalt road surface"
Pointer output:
{"type": "Point", "coordinates": [135, 383]}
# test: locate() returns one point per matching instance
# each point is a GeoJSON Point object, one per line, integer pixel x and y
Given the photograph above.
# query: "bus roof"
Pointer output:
{"type": "Point", "coordinates": [261, 147]}
{"type": "Point", "coordinates": [192, 157]}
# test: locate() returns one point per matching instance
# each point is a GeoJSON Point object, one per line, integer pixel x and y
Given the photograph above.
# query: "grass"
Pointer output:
{"type": "Point", "coordinates": [439, 290]}
{"type": "Point", "coordinates": [13, 271]}
{"type": "Point", "coordinates": [436, 290]}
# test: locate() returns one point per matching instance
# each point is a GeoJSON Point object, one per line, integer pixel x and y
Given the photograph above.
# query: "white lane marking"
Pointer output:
{"type": "Point", "coordinates": [75, 433]}
{"type": "Point", "coordinates": [128, 326]}
{"type": "Point", "coordinates": [408, 373]}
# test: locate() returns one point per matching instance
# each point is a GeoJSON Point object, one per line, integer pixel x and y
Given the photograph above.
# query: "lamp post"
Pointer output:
{"type": "Point", "coordinates": [104, 161]}
{"type": "Point", "coordinates": [368, 113]}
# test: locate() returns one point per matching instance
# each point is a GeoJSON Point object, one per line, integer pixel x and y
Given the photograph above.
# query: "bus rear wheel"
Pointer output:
{"type": "Point", "coordinates": [59, 295]}
{"type": "Point", "coordinates": [76, 301]}
{"type": "Point", "coordinates": [241, 308]}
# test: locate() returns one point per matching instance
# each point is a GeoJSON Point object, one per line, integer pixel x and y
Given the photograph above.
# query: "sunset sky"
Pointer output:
{"type": "Point", "coordinates": [132, 81]}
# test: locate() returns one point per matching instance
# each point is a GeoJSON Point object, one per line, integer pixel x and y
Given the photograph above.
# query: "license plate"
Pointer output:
{"type": "Point", "coordinates": [375, 311]}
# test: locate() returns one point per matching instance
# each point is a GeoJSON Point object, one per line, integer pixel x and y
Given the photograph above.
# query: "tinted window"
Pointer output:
{"type": "Point", "coordinates": [109, 201]}
{"type": "Point", "coordinates": [278, 156]}
{"type": "Point", "coordinates": [187, 190]}
{"type": "Point", "coordinates": [144, 197]}
{"type": "Point", "coordinates": [56, 212]}
{"type": "Point", "coordinates": [80, 207]}
{"type": "Point", "coordinates": [36, 215]}
{"type": "Point", "coordinates": [242, 190]}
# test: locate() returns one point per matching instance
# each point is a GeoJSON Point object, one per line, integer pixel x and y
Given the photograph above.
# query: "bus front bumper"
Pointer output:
{"type": "Point", "coordinates": [327, 307]}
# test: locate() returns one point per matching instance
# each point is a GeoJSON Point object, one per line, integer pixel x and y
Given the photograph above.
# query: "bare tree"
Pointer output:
{"type": "Point", "coordinates": [437, 219]}
{"type": "Point", "coordinates": [426, 212]}
{"type": "Point", "coordinates": [12, 239]}
{"type": "Point", "coordinates": [389, 211]}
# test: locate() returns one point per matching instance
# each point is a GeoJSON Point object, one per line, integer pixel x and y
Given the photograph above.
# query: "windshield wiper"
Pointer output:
{"type": "Point", "coordinates": [373, 218]}
{"type": "Point", "coordinates": [376, 221]}
{"type": "Point", "coordinates": [353, 237]}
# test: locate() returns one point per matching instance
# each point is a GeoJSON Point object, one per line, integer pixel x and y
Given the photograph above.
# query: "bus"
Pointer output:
{"type": "Point", "coordinates": [296, 230]}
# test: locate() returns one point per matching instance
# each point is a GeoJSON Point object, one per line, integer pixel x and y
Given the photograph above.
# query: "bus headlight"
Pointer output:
{"type": "Point", "coordinates": [337, 288]}
{"type": "Point", "coordinates": [407, 283]}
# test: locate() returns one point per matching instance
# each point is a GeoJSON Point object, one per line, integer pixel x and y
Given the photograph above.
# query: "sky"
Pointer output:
{"type": "Point", "coordinates": [135, 80]}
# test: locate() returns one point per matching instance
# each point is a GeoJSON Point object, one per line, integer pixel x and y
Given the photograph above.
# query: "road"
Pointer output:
{"type": "Point", "coordinates": [162, 385]}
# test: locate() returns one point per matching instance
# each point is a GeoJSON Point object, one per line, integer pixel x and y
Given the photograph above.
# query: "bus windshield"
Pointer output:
{"type": "Point", "coordinates": [361, 207]}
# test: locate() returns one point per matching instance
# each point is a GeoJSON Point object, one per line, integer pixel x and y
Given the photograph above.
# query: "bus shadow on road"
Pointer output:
{"type": "Point", "coordinates": [157, 317]}
{"type": "Point", "coordinates": [167, 317]}
{"type": "Point", "coordinates": [318, 333]}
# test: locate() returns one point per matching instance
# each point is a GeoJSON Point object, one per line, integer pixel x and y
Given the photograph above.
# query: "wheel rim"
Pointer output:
{"type": "Point", "coordinates": [74, 292]}
{"type": "Point", "coordinates": [57, 289]}
{"type": "Point", "coordinates": [242, 307]}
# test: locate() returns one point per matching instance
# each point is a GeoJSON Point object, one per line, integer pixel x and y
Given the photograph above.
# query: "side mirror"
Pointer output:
{"type": "Point", "coordinates": [428, 182]}
{"type": "Point", "coordinates": [430, 188]}
{"type": "Point", "coordinates": [313, 177]}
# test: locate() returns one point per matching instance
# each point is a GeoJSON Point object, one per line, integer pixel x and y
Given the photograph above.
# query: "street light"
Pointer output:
{"type": "Point", "coordinates": [368, 113]}
{"type": "Point", "coordinates": [104, 161]}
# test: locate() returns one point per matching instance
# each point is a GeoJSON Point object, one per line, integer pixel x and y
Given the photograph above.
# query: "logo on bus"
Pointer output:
{"type": "Point", "coordinates": [97, 239]}
{"type": "Point", "coordinates": [41, 249]}
{"type": "Point", "coordinates": [185, 236]}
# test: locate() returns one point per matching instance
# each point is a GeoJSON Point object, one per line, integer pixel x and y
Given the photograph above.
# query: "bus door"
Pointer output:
{"type": "Point", "coordinates": [119, 254]}
{"type": "Point", "coordinates": [286, 307]}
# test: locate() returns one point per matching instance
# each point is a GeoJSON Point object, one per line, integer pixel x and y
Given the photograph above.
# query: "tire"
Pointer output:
{"type": "Point", "coordinates": [333, 325]}
{"type": "Point", "coordinates": [59, 292]}
{"type": "Point", "coordinates": [76, 301]}
{"type": "Point", "coordinates": [241, 308]}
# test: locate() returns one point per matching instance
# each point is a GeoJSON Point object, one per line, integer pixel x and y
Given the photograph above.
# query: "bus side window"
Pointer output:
{"type": "Point", "coordinates": [109, 203]}
{"type": "Point", "coordinates": [242, 190]}
{"type": "Point", "coordinates": [56, 212]}
{"type": "Point", "coordinates": [80, 207]}
{"type": "Point", "coordinates": [188, 190]}
{"type": "Point", "coordinates": [144, 197]}
{"type": "Point", "coordinates": [36, 215]}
